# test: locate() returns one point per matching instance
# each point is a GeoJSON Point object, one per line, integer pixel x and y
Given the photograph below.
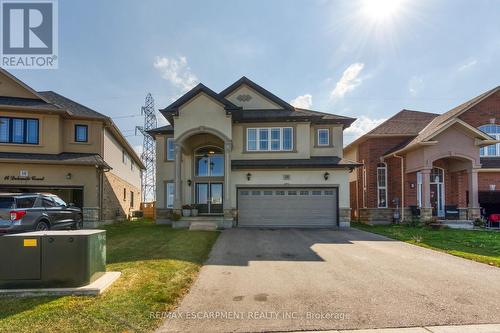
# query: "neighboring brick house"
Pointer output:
{"type": "Point", "coordinates": [429, 161]}
{"type": "Point", "coordinates": [49, 143]}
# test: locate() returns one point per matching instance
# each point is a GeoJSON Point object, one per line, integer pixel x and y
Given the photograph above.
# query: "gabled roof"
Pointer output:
{"type": "Point", "coordinates": [27, 88]}
{"type": "Point", "coordinates": [404, 123]}
{"type": "Point", "coordinates": [73, 108]}
{"type": "Point", "coordinates": [62, 158]}
{"type": "Point", "coordinates": [277, 115]}
{"type": "Point", "coordinates": [264, 92]}
{"type": "Point", "coordinates": [200, 88]}
{"type": "Point", "coordinates": [30, 103]}
{"type": "Point", "coordinates": [167, 129]}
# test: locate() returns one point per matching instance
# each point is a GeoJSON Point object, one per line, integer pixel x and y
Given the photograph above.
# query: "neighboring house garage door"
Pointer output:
{"type": "Point", "coordinates": [287, 207]}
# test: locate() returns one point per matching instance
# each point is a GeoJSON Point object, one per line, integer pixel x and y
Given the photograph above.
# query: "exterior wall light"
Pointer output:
{"type": "Point", "coordinates": [189, 182]}
{"type": "Point", "coordinates": [326, 175]}
{"type": "Point", "coordinates": [68, 175]}
{"type": "Point", "coordinates": [249, 175]}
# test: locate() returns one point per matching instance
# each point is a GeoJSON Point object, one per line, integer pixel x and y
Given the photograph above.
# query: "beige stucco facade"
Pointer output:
{"type": "Point", "coordinates": [91, 174]}
{"type": "Point", "coordinates": [203, 121]}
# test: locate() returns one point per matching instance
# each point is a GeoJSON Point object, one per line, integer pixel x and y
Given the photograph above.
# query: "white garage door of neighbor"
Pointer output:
{"type": "Point", "coordinates": [287, 207]}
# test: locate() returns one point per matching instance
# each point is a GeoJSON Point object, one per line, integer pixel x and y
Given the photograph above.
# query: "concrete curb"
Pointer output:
{"type": "Point", "coordinates": [94, 289]}
{"type": "Point", "coordinates": [479, 328]}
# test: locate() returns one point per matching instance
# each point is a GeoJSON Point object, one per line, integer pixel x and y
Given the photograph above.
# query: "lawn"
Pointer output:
{"type": "Point", "coordinates": [158, 265]}
{"type": "Point", "coordinates": [477, 245]}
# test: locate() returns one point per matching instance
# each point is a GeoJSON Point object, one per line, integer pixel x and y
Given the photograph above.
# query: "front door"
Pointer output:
{"type": "Point", "coordinates": [209, 198]}
{"type": "Point", "coordinates": [437, 199]}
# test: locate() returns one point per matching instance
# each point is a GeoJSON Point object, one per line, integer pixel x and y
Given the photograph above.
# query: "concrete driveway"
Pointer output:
{"type": "Point", "coordinates": [291, 280]}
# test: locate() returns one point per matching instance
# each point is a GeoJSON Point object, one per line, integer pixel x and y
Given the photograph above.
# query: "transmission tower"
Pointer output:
{"type": "Point", "coordinates": [148, 155]}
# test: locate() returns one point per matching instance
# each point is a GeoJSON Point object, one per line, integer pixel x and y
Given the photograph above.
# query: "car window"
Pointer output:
{"type": "Point", "coordinates": [48, 202]}
{"type": "Point", "coordinates": [26, 202]}
{"type": "Point", "coordinates": [6, 202]}
{"type": "Point", "coordinates": [59, 202]}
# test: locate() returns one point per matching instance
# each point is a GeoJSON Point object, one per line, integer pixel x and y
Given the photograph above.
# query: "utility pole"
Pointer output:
{"type": "Point", "coordinates": [148, 155]}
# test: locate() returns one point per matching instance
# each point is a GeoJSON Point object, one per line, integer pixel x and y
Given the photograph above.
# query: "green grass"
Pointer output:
{"type": "Point", "coordinates": [477, 245]}
{"type": "Point", "coordinates": [158, 265]}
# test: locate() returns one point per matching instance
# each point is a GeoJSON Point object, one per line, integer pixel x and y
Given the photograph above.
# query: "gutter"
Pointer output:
{"type": "Point", "coordinates": [402, 159]}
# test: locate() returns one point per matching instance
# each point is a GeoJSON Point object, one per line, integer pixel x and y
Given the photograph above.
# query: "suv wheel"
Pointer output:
{"type": "Point", "coordinates": [42, 226]}
{"type": "Point", "coordinates": [78, 224]}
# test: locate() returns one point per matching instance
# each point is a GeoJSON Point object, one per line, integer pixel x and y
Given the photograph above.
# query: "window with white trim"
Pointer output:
{"type": "Point", "coordinates": [270, 139]}
{"type": "Point", "coordinates": [323, 137]}
{"type": "Point", "coordinates": [169, 195]}
{"type": "Point", "coordinates": [170, 149]}
{"type": "Point", "coordinates": [493, 131]}
{"type": "Point", "coordinates": [382, 185]}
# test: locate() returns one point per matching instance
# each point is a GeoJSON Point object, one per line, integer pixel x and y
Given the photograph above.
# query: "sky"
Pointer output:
{"type": "Point", "coordinates": [366, 59]}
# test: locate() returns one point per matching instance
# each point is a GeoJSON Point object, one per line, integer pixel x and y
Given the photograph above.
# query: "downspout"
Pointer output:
{"type": "Point", "coordinates": [402, 159]}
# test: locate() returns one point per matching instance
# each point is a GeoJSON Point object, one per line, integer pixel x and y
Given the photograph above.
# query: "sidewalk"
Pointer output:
{"type": "Point", "coordinates": [481, 328]}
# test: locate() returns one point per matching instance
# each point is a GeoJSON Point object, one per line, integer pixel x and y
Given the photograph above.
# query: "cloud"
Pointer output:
{"type": "Point", "coordinates": [303, 101]}
{"type": "Point", "coordinates": [349, 81]}
{"type": "Point", "coordinates": [176, 71]}
{"type": "Point", "coordinates": [415, 85]}
{"type": "Point", "coordinates": [361, 126]}
{"type": "Point", "coordinates": [468, 65]}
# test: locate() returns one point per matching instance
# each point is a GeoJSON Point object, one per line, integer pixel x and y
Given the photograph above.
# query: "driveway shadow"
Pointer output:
{"type": "Point", "coordinates": [237, 247]}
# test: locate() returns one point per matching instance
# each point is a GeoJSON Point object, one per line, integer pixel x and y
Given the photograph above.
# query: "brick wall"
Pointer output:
{"type": "Point", "coordinates": [487, 178]}
{"type": "Point", "coordinates": [483, 112]}
{"type": "Point", "coordinates": [116, 205]}
{"type": "Point", "coordinates": [370, 152]}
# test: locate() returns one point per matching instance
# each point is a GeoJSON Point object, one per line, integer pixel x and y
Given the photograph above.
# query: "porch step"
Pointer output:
{"type": "Point", "coordinates": [458, 224]}
{"type": "Point", "coordinates": [203, 225]}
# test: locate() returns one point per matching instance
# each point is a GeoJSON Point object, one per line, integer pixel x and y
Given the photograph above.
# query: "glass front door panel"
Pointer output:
{"type": "Point", "coordinates": [216, 198]}
{"type": "Point", "coordinates": [202, 198]}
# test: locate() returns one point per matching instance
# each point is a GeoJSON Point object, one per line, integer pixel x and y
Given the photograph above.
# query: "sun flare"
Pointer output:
{"type": "Point", "coordinates": [381, 10]}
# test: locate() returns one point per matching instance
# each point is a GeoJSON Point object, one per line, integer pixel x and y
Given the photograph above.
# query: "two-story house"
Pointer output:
{"type": "Point", "coordinates": [436, 163]}
{"type": "Point", "coordinates": [248, 158]}
{"type": "Point", "coordinates": [49, 143]}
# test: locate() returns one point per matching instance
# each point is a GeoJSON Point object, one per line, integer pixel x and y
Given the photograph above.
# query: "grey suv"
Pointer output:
{"type": "Point", "coordinates": [37, 211]}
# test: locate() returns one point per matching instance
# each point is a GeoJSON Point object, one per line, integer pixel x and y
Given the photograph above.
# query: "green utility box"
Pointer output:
{"type": "Point", "coordinates": [54, 259]}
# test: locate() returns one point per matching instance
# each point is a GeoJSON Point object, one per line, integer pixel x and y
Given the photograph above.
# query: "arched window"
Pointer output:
{"type": "Point", "coordinates": [494, 131]}
{"type": "Point", "coordinates": [209, 162]}
{"type": "Point", "coordinates": [382, 185]}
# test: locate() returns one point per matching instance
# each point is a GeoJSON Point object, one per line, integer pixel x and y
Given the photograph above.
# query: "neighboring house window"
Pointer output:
{"type": "Point", "coordinates": [270, 139]}
{"type": "Point", "coordinates": [81, 133]}
{"type": "Point", "coordinates": [124, 194]}
{"type": "Point", "coordinates": [170, 195]}
{"type": "Point", "coordinates": [493, 131]}
{"type": "Point", "coordinates": [419, 189]}
{"type": "Point", "coordinates": [19, 130]}
{"type": "Point", "coordinates": [132, 166]}
{"type": "Point", "coordinates": [170, 149]}
{"type": "Point", "coordinates": [382, 185]}
{"type": "Point", "coordinates": [131, 199]}
{"type": "Point", "coordinates": [125, 157]}
{"type": "Point", "coordinates": [323, 137]}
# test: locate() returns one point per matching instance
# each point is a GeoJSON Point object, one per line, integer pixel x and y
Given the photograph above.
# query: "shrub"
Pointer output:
{"type": "Point", "coordinates": [175, 217]}
{"type": "Point", "coordinates": [479, 223]}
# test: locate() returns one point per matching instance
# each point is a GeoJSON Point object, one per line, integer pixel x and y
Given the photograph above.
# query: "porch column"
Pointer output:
{"type": "Point", "coordinates": [474, 210]}
{"type": "Point", "coordinates": [426, 209]}
{"type": "Point", "coordinates": [227, 177]}
{"type": "Point", "coordinates": [177, 179]}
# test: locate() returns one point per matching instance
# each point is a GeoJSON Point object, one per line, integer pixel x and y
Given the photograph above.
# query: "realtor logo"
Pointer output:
{"type": "Point", "coordinates": [29, 34]}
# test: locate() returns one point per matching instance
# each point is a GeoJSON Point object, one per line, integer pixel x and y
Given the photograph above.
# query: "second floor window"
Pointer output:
{"type": "Point", "coordinates": [170, 149]}
{"type": "Point", "coordinates": [323, 137]}
{"type": "Point", "coordinates": [81, 133]}
{"type": "Point", "coordinates": [270, 139]}
{"type": "Point", "coordinates": [493, 131]}
{"type": "Point", "coordinates": [19, 130]}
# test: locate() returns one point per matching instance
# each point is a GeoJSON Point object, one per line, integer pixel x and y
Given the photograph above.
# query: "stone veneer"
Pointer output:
{"type": "Point", "coordinates": [344, 217]}
{"type": "Point", "coordinates": [114, 207]}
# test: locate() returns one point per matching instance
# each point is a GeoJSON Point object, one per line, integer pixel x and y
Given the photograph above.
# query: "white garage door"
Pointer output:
{"type": "Point", "coordinates": [287, 207]}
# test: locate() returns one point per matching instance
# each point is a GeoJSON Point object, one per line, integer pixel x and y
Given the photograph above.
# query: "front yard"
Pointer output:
{"type": "Point", "coordinates": [478, 245]}
{"type": "Point", "coordinates": [158, 265]}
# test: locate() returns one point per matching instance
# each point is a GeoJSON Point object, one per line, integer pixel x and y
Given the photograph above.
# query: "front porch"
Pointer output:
{"type": "Point", "coordinates": [448, 189]}
{"type": "Point", "coordinates": [202, 179]}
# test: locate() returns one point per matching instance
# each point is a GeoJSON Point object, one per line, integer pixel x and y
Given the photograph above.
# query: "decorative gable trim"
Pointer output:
{"type": "Point", "coordinates": [254, 86]}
